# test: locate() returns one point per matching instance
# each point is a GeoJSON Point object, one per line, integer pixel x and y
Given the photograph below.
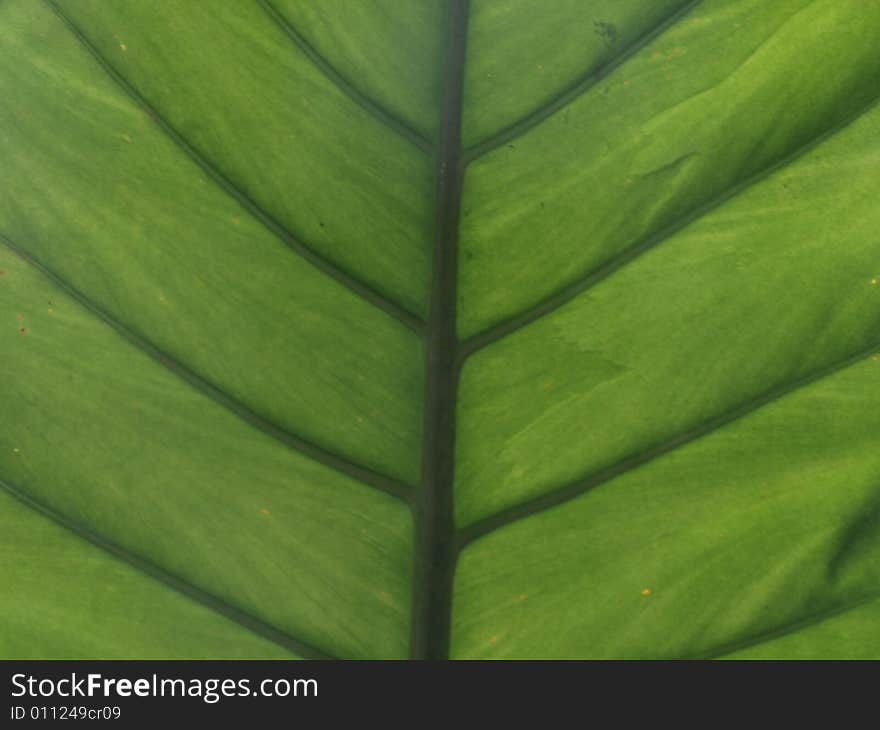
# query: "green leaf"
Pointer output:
{"type": "Point", "coordinates": [483, 329]}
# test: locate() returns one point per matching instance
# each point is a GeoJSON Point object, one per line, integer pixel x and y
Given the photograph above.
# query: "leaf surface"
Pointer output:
{"type": "Point", "coordinates": [493, 329]}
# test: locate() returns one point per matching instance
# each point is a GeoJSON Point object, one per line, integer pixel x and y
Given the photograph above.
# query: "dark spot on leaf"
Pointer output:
{"type": "Point", "coordinates": [2, 271]}
{"type": "Point", "coordinates": [606, 31]}
{"type": "Point", "coordinates": [321, 223]}
{"type": "Point", "coordinates": [22, 330]}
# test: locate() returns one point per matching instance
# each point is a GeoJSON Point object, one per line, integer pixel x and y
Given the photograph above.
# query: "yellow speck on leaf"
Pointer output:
{"type": "Point", "coordinates": [123, 47]}
{"type": "Point", "coordinates": [264, 511]}
{"type": "Point", "coordinates": [547, 384]}
{"type": "Point", "coordinates": [493, 640]}
{"type": "Point", "coordinates": [874, 281]}
{"type": "Point", "coordinates": [646, 591]}
{"type": "Point", "coordinates": [523, 596]}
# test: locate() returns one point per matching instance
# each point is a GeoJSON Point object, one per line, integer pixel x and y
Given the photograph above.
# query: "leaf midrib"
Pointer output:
{"type": "Point", "coordinates": [434, 558]}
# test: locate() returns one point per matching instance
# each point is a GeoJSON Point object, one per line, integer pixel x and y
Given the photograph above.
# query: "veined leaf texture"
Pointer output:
{"type": "Point", "coordinates": [488, 329]}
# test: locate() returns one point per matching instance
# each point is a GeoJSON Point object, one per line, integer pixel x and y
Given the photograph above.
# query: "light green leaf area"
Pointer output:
{"type": "Point", "coordinates": [225, 239]}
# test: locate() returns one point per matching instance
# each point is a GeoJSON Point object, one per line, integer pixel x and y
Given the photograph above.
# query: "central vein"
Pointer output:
{"type": "Point", "coordinates": [433, 508]}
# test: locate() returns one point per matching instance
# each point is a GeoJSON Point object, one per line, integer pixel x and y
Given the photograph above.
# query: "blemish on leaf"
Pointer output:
{"type": "Point", "coordinates": [264, 511]}
{"type": "Point", "coordinates": [645, 591]}
{"type": "Point", "coordinates": [22, 330]}
{"type": "Point", "coordinates": [123, 47]}
{"type": "Point", "coordinates": [493, 640]}
{"type": "Point", "coordinates": [547, 384]}
{"type": "Point", "coordinates": [606, 31]}
{"type": "Point", "coordinates": [2, 271]}
{"type": "Point", "coordinates": [874, 282]}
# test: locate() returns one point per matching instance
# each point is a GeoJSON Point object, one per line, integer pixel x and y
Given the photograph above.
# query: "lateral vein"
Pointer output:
{"type": "Point", "coordinates": [566, 294]}
{"type": "Point", "coordinates": [209, 600]}
{"type": "Point", "coordinates": [579, 88]}
{"type": "Point", "coordinates": [789, 628]}
{"type": "Point", "coordinates": [566, 493]}
{"type": "Point", "coordinates": [343, 84]}
{"type": "Point", "coordinates": [303, 250]}
{"type": "Point", "coordinates": [359, 473]}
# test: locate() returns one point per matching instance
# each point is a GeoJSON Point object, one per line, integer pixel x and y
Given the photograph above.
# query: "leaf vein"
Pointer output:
{"type": "Point", "coordinates": [566, 294]}
{"type": "Point", "coordinates": [359, 473]}
{"type": "Point", "coordinates": [206, 599]}
{"type": "Point", "coordinates": [303, 250]}
{"type": "Point", "coordinates": [343, 84]}
{"type": "Point", "coordinates": [789, 628]}
{"type": "Point", "coordinates": [567, 492]}
{"type": "Point", "coordinates": [576, 90]}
